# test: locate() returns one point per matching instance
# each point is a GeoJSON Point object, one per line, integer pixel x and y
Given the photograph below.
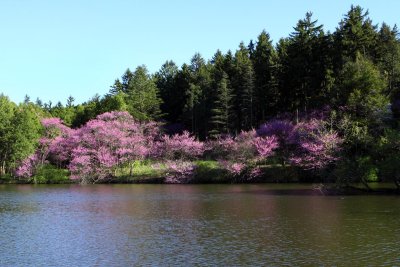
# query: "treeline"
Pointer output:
{"type": "Point", "coordinates": [349, 79]}
{"type": "Point", "coordinates": [357, 67]}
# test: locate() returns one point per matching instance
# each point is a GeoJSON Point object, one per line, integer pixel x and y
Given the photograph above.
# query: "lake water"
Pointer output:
{"type": "Point", "coordinates": [194, 225]}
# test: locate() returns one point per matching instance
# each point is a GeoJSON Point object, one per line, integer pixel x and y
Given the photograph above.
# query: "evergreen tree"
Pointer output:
{"type": "Point", "coordinates": [303, 69]}
{"type": "Point", "coordinates": [39, 102]}
{"type": "Point", "coordinates": [27, 99]}
{"type": "Point", "coordinates": [355, 35]}
{"type": "Point", "coordinates": [388, 58]}
{"type": "Point", "coordinates": [243, 88]}
{"type": "Point", "coordinates": [122, 86]}
{"type": "Point", "coordinates": [265, 88]}
{"type": "Point", "coordinates": [70, 101]}
{"type": "Point", "coordinates": [172, 96]}
{"type": "Point", "coordinates": [141, 95]}
{"type": "Point", "coordinates": [198, 96]}
{"type": "Point", "coordinates": [221, 109]}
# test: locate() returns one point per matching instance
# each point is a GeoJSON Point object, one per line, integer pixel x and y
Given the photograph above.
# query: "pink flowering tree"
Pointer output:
{"type": "Point", "coordinates": [282, 132]}
{"type": "Point", "coordinates": [28, 166]}
{"type": "Point", "coordinates": [112, 140]}
{"type": "Point", "coordinates": [316, 146]}
{"type": "Point", "coordinates": [93, 152]}
{"type": "Point", "coordinates": [179, 172]}
{"type": "Point", "coordinates": [180, 147]}
{"type": "Point", "coordinates": [178, 152]}
{"type": "Point", "coordinates": [240, 155]}
{"type": "Point", "coordinates": [307, 144]}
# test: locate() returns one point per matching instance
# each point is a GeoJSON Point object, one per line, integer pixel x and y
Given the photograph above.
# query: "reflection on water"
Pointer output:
{"type": "Point", "coordinates": [202, 225]}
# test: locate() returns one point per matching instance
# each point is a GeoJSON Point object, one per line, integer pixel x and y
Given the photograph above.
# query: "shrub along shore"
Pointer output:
{"type": "Point", "coordinates": [116, 148]}
{"type": "Point", "coordinates": [209, 172]}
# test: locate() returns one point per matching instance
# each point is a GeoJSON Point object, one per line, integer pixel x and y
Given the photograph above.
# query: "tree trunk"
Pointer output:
{"type": "Point", "coordinates": [130, 169]}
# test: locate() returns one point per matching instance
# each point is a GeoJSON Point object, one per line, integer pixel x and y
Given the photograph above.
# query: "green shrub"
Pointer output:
{"type": "Point", "coordinates": [50, 174]}
{"type": "Point", "coordinates": [209, 171]}
{"type": "Point", "coordinates": [359, 170]}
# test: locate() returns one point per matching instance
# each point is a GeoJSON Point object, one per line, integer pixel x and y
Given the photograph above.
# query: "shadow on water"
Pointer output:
{"type": "Point", "coordinates": [321, 190]}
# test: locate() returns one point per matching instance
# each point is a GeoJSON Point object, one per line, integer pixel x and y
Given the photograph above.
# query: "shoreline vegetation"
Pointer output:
{"type": "Point", "coordinates": [316, 107]}
{"type": "Point", "coordinates": [210, 174]}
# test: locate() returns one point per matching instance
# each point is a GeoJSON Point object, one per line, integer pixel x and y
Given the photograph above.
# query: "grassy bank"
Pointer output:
{"type": "Point", "coordinates": [206, 172]}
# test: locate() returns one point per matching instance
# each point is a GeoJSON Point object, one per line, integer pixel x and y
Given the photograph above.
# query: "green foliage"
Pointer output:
{"type": "Point", "coordinates": [168, 80]}
{"type": "Point", "coordinates": [387, 151]}
{"type": "Point", "coordinates": [19, 132]}
{"type": "Point", "coordinates": [356, 35]}
{"type": "Point", "coordinates": [266, 94]}
{"type": "Point", "coordinates": [137, 93]}
{"type": "Point", "coordinates": [358, 170]}
{"type": "Point", "coordinates": [141, 169]}
{"type": "Point", "coordinates": [221, 108]}
{"type": "Point", "coordinates": [362, 88]}
{"type": "Point", "coordinates": [243, 89]}
{"type": "Point", "coordinates": [305, 62]}
{"type": "Point", "coordinates": [355, 70]}
{"type": "Point", "coordinates": [142, 97]}
{"type": "Point", "coordinates": [49, 174]}
{"type": "Point", "coordinates": [208, 171]}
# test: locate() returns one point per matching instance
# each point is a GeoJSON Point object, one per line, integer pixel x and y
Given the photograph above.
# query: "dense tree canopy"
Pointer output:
{"type": "Point", "coordinates": [353, 72]}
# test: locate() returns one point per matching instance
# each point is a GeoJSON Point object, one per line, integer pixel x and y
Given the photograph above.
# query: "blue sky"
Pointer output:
{"type": "Point", "coordinates": [52, 49]}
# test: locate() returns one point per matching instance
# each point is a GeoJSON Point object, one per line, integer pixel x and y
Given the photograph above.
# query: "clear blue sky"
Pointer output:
{"type": "Point", "coordinates": [55, 48]}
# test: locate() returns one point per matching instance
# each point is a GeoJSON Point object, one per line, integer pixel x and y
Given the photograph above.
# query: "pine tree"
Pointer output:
{"type": "Point", "coordinates": [122, 86]}
{"type": "Point", "coordinates": [170, 93]}
{"type": "Point", "coordinates": [243, 87]}
{"type": "Point", "coordinates": [221, 110]}
{"type": "Point", "coordinates": [141, 95]}
{"type": "Point", "coordinates": [355, 35]}
{"type": "Point", "coordinates": [264, 58]}
{"type": "Point", "coordinates": [197, 111]}
{"type": "Point", "coordinates": [70, 101]}
{"type": "Point", "coordinates": [388, 57]}
{"type": "Point", "coordinates": [303, 70]}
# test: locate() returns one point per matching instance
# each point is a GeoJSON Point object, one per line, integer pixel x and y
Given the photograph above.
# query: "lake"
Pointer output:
{"type": "Point", "coordinates": [194, 225]}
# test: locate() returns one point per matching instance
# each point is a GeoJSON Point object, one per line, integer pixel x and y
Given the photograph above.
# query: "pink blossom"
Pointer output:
{"type": "Point", "coordinates": [179, 172]}
{"type": "Point", "coordinates": [266, 145]}
{"type": "Point", "coordinates": [180, 146]}
{"type": "Point", "coordinates": [234, 168]}
{"type": "Point", "coordinates": [255, 172]}
{"type": "Point", "coordinates": [316, 147]}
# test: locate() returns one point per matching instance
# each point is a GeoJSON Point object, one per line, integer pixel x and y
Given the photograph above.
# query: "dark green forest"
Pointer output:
{"type": "Point", "coordinates": [352, 73]}
{"type": "Point", "coordinates": [356, 68]}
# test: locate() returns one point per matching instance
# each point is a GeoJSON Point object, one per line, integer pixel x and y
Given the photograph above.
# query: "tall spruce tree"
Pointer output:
{"type": "Point", "coordinates": [220, 110]}
{"type": "Point", "coordinates": [198, 96]}
{"type": "Point", "coordinates": [243, 88]}
{"type": "Point", "coordinates": [301, 67]}
{"type": "Point", "coordinates": [142, 96]}
{"type": "Point", "coordinates": [388, 57]}
{"type": "Point", "coordinates": [355, 35]}
{"type": "Point", "coordinates": [264, 60]}
{"type": "Point", "coordinates": [172, 95]}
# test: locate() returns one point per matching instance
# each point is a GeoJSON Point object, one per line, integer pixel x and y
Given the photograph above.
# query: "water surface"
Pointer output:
{"type": "Point", "coordinates": [194, 225]}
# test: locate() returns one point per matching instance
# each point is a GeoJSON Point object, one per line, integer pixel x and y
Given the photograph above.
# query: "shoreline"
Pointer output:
{"type": "Point", "coordinates": [316, 188]}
